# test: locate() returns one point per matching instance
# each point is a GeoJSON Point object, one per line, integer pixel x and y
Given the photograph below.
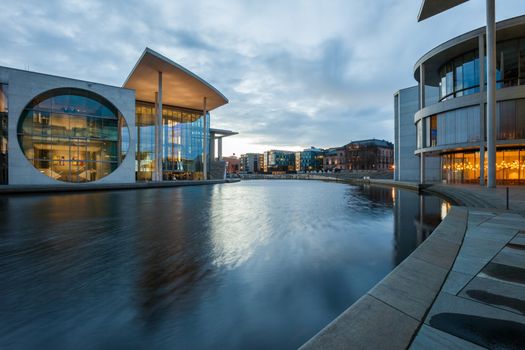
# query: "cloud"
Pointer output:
{"type": "Point", "coordinates": [297, 73]}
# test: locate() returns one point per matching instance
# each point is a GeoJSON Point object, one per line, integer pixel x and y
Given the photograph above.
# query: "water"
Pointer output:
{"type": "Point", "coordinates": [258, 264]}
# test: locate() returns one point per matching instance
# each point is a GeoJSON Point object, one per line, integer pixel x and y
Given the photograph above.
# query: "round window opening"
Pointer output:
{"type": "Point", "coordinates": [73, 135]}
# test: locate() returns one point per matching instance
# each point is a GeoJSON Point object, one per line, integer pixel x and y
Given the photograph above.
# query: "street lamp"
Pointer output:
{"type": "Point", "coordinates": [430, 8]}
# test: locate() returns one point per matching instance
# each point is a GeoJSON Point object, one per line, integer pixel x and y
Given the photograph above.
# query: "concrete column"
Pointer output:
{"type": "Point", "coordinates": [157, 174]}
{"type": "Point", "coordinates": [204, 141]}
{"type": "Point", "coordinates": [481, 46]}
{"type": "Point", "coordinates": [212, 146]}
{"type": "Point", "coordinates": [422, 86]}
{"type": "Point", "coordinates": [138, 153]}
{"type": "Point", "coordinates": [219, 148]}
{"type": "Point", "coordinates": [491, 93]}
{"type": "Point", "coordinates": [421, 168]}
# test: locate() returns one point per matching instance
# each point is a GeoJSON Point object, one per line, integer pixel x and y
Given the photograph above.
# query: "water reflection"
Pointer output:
{"type": "Point", "coordinates": [259, 264]}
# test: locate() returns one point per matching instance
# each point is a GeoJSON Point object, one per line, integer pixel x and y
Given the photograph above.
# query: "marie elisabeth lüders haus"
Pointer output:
{"type": "Point", "coordinates": [156, 127]}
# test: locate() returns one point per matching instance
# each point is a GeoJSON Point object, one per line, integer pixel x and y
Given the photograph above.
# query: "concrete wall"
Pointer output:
{"type": "Point", "coordinates": [406, 103]}
{"type": "Point", "coordinates": [23, 86]}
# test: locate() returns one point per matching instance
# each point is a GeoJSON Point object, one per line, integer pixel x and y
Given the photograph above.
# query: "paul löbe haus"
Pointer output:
{"type": "Point", "coordinates": [155, 127]}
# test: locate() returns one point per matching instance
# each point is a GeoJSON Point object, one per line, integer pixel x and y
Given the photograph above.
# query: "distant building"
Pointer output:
{"type": "Point", "coordinates": [370, 154]}
{"type": "Point", "coordinates": [279, 161]}
{"type": "Point", "coordinates": [249, 163]}
{"type": "Point", "coordinates": [335, 159]}
{"type": "Point", "coordinates": [261, 163]}
{"type": "Point", "coordinates": [310, 159]}
{"type": "Point", "coordinates": [232, 164]}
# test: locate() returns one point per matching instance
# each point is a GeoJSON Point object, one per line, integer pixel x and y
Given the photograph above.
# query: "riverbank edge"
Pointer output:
{"type": "Point", "coordinates": [390, 314]}
{"type": "Point", "coordinates": [66, 188]}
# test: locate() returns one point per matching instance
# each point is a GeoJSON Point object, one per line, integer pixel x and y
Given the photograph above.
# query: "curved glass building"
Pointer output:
{"type": "Point", "coordinates": [156, 127]}
{"type": "Point", "coordinates": [450, 115]}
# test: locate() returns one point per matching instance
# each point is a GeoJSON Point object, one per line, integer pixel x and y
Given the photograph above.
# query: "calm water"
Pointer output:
{"type": "Point", "coordinates": [257, 264]}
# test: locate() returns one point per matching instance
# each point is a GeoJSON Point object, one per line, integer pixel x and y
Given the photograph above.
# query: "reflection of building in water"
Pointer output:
{"type": "Point", "coordinates": [414, 220]}
{"type": "Point", "coordinates": [385, 196]}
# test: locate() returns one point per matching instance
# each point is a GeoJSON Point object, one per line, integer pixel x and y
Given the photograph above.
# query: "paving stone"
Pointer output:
{"type": "Point", "coordinates": [469, 265]}
{"type": "Point", "coordinates": [503, 224]}
{"type": "Point", "coordinates": [455, 282]}
{"type": "Point", "coordinates": [437, 251]}
{"type": "Point", "coordinates": [505, 273]}
{"type": "Point", "coordinates": [431, 338]}
{"type": "Point", "coordinates": [476, 253]}
{"type": "Point", "coordinates": [368, 324]}
{"type": "Point", "coordinates": [511, 256]}
{"type": "Point", "coordinates": [411, 287]}
{"type": "Point", "coordinates": [508, 296]}
{"type": "Point", "coordinates": [490, 233]}
{"type": "Point", "coordinates": [519, 239]}
{"type": "Point", "coordinates": [476, 322]}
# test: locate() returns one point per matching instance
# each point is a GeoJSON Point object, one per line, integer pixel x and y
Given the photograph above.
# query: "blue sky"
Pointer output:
{"type": "Point", "coordinates": [297, 73]}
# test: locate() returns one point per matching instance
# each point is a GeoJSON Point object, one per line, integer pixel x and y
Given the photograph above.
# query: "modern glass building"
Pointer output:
{"type": "Point", "coordinates": [155, 128]}
{"type": "Point", "coordinates": [452, 126]}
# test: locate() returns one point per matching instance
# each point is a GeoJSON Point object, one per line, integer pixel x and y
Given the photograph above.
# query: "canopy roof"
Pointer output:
{"type": "Point", "coordinates": [222, 133]}
{"type": "Point", "coordinates": [180, 87]}
{"type": "Point", "coordinates": [431, 8]}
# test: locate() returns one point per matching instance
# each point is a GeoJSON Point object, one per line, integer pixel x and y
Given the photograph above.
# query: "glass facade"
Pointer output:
{"type": "Point", "coordinates": [73, 135]}
{"type": "Point", "coordinates": [182, 142]}
{"type": "Point", "coordinates": [460, 76]}
{"type": "Point", "coordinates": [463, 167]}
{"type": "Point", "coordinates": [3, 135]}
{"type": "Point", "coordinates": [463, 125]}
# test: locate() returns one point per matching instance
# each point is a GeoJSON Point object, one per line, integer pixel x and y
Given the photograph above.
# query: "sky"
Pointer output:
{"type": "Point", "coordinates": [297, 73]}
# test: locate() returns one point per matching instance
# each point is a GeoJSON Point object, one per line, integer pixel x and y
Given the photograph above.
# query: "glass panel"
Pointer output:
{"type": "Point", "coordinates": [506, 120]}
{"type": "Point", "coordinates": [522, 61]}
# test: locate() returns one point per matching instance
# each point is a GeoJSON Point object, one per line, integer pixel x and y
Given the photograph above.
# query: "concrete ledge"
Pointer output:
{"type": "Point", "coordinates": [25, 189]}
{"type": "Point", "coordinates": [391, 313]}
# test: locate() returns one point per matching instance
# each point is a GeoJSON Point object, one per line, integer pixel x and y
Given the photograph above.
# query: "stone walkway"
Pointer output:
{"type": "Point", "coordinates": [482, 302]}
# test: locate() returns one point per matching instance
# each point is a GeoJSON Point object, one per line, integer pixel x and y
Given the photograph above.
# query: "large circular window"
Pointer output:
{"type": "Point", "coordinates": [73, 135]}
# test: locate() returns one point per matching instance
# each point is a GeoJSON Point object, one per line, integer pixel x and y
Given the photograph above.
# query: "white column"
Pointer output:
{"type": "Point", "coordinates": [204, 141]}
{"type": "Point", "coordinates": [491, 94]}
{"type": "Point", "coordinates": [212, 146]}
{"type": "Point", "coordinates": [219, 148]}
{"type": "Point", "coordinates": [157, 174]}
{"type": "Point", "coordinates": [481, 45]}
{"type": "Point", "coordinates": [422, 86]}
{"type": "Point", "coordinates": [421, 106]}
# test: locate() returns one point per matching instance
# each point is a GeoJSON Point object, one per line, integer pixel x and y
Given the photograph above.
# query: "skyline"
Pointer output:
{"type": "Point", "coordinates": [338, 69]}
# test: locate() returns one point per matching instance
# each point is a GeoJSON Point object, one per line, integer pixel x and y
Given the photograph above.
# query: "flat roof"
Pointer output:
{"type": "Point", "coordinates": [431, 8]}
{"type": "Point", "coordinates": [180, 87]}
{"type": "Point", "coordinates": [222, 132]}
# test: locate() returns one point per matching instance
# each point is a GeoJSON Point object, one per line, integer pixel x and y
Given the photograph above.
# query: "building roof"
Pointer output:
{"type": "Point", "coordinates": [373, 142]}
{"type": "Point", "coordinates": [180, 87]}
{"type": "Point", "coordinates": [222, 132]}
{"type": "Point", "coordinates": [431, 8]}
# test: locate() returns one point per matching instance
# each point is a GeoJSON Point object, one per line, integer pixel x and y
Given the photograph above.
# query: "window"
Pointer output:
{"type": "Point", "coordinates": [73, 135]}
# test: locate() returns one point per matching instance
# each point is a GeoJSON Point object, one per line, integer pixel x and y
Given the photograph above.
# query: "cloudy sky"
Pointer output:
{"type": "Point", "coordinates": [297, 72]}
